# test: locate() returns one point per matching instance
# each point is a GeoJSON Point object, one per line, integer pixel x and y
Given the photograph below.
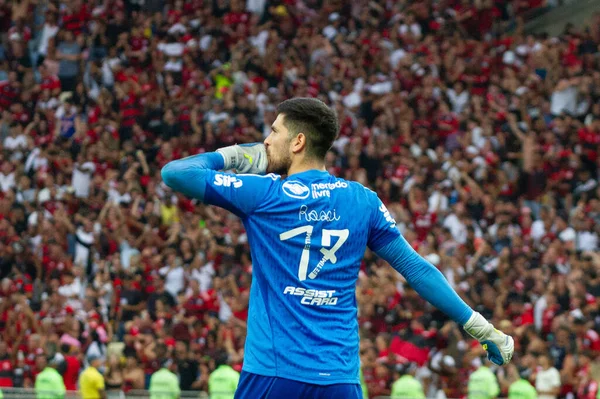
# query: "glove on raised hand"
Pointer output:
{"type": "Point", "coordinates": [246, 158]}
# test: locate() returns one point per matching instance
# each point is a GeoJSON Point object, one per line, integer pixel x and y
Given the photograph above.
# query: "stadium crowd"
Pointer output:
{"type": "Point", "coordinates": [484, 146]}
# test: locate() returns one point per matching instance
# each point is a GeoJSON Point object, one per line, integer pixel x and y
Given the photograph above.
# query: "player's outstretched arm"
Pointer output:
{"type": "Point", "coordinates": [188, 175]}
{"type": "Point", "coordinates": [427, 280]}
{"type": "Point", "coordinates": [197, 177]}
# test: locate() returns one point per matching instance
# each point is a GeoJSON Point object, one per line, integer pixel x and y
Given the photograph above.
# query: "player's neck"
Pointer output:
{"type": "Point", "coordinates": [305, 165]}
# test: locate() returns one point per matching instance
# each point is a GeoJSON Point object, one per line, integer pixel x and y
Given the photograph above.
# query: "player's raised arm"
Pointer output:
{"type": "Point", "coordinates": [387, 242]}
{"type": "Point", "coordinates": [198, 177]}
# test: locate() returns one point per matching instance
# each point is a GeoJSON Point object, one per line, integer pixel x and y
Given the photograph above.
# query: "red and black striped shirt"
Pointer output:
{"type": "Point", "coordinates": [130, 110]}
{"type": "Point", "coordinates": [8, 94]}
{"type": "Point", "coordinates": [75, 20]}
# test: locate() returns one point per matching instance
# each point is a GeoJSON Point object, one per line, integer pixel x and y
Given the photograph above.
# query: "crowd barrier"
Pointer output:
{"type": "Point", "coordinates": [22, 393]}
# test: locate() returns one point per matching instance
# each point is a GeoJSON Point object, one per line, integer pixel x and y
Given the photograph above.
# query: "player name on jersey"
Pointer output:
{"type": "Point", "coordinates": [317, 216]}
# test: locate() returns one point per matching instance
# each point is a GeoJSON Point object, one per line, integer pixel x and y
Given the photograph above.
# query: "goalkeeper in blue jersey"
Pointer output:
{"type": "Point", "coordinates": [307, 233]}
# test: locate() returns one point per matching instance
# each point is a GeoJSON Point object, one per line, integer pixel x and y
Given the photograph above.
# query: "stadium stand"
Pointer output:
{"type": "Point", "coordinates": [483, 142]}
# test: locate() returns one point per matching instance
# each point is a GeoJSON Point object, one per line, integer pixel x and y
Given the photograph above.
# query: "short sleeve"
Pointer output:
{"type": "Point", "coordinates": [382, 226]}
{"type": "Point", "coordinates": [238, 193]}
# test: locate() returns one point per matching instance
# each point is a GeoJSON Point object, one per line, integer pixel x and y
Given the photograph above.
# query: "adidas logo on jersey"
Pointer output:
{"type": "Point", "coordinates": [226, 180]}
{"type": "Point", "coordinates": [295, 189]}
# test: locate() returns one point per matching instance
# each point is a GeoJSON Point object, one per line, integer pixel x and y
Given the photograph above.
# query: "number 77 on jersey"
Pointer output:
{"type": "Point", "coordinates": [328, 254]}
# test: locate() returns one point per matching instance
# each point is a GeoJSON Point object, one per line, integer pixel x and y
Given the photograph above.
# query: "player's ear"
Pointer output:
{"type": "Point", "coordinates": [298, 143]}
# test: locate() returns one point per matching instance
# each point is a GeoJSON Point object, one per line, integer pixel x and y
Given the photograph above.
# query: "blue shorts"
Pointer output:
{"type": "Point", "coordinates": [253, 386]}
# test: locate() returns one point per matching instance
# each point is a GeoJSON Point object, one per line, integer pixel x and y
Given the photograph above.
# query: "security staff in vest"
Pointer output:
{"type": "Point", "coordinates": [522, 388]}
{"type": "Point", "coordinates": [49, 384]}
{"type": "Point", "coordinates": [223, 382]}
{"type": "Point", "coordinates": [483, 383]}
{"type": "Point", "coordinates": [91, 380]}
{"type": "Point", "coordinates": [164, 384]}
{"type": "Point", "coordinates": [407, 386]}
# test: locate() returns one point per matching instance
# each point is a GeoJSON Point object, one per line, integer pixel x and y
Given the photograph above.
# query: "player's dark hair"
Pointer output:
{"type": "Point", "coordinates": [315, 119]}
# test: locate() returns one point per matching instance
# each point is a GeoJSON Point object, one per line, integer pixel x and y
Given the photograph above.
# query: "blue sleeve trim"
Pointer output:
{"type": "Point", "coordinates": [426, 279]}
{"type": "Point", "coordinates": [188, 175]}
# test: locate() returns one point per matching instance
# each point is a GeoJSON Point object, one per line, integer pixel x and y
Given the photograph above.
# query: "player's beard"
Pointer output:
{"type": "Point", "coordinates": [279, 164]}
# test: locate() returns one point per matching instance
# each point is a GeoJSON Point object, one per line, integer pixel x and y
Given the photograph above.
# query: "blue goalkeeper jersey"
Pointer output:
{"type": "Point", "coordinates": [307, 234]}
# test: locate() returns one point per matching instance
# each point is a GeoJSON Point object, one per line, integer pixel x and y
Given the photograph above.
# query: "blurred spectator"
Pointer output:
{"type": "Point", "coordinates": [91, 381]}
{"type": "Point", "coordinates": [223, 381]}
{"type": "Point", "coordinates": [407, 386]}
{"type": "Point", "coordinates": [133, 374]}
{"type": "Point", "coordinates": [547, 379]}
{"type": "Point", "coordinates": [483, 384]}
{"type": "Point", "coordinates": [113, 378]}
{"type": "Point", "coordinates": [49, 383]}
{"type": "Point", "coordinates": [71, 367]}
{"type": "Point", "coordinates": [164, 383]}
{"type": "Point", "coordinates": [522, 388]}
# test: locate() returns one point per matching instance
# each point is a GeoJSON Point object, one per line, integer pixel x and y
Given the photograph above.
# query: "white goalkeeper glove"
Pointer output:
{"type": "Point", "coordinates": [499, 346]}
{"type": "Point", "coordinates": [245, 158]}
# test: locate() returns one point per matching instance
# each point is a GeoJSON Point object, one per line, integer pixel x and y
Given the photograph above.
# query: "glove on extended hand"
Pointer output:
{"type": "Point", "coordinates": [499, 346]}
